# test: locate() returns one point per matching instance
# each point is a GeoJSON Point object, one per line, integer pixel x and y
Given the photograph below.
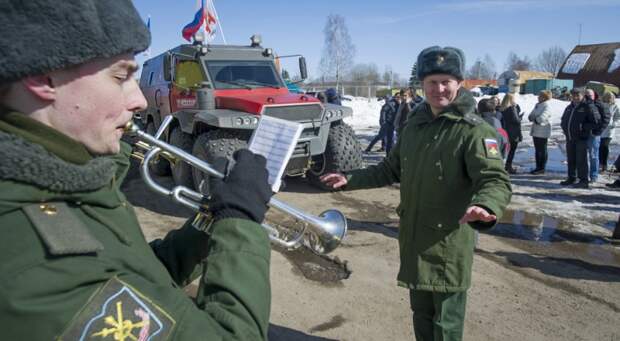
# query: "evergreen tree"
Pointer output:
{"type": "Point", "coordinates": [414, 82]}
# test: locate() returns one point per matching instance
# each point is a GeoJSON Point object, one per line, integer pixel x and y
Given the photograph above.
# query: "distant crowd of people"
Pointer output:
{"type": "Point", "coordinates": [393, 117]}
{"type": "Point", "coordinates": [588, 122]}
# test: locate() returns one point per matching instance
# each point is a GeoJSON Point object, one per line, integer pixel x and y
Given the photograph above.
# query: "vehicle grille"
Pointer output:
{"type": "Point", "coordinates": [300, 113]}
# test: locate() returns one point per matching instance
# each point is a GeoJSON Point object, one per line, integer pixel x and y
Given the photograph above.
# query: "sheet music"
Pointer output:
{"type": "Point", "coordinates": [275, 139]}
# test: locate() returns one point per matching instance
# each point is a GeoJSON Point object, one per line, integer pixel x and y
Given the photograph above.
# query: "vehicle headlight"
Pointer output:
{"type": "Point", "coordinates": [340, 112]}
{"type": "Point", "coordinates": [239, 121]}
{"type": "Point", "coordinates": [254, 120]}
{"type": "Point", "coordinates": [329, 114]}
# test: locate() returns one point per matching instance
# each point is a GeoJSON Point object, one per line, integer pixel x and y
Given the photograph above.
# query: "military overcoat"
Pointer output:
{"type": "Point", "coordinates": [444, 165]}
{"type": "Point", "coordinates": [74, 263]}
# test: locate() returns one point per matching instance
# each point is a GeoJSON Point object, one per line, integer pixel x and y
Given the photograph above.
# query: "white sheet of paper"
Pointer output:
{"type": "Point", "coordinates": [275, 139]}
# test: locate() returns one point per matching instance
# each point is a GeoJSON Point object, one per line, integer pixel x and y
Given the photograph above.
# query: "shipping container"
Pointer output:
{"type": "Point", "coordinates": [534, 86]}
{"type": "Point", "coordinates": [473, 83]}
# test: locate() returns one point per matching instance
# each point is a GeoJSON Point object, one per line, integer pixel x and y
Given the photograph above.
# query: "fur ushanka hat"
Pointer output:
{"type": "Point", "coordinates": [38, 36]}
{"type": "Point", "coordinates": [446, 60]}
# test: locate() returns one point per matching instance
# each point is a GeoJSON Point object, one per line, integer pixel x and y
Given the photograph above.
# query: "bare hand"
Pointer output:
{"type": "Point", "coordinates": [334, 180]}
{"type": "Point", "coordinates": [477, 213]}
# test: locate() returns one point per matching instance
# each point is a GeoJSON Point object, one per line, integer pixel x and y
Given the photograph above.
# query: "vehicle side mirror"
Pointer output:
{"type": "Point", "coordinates": [303, 71]}
{"type": "Point", "coordinates": [167, 67]}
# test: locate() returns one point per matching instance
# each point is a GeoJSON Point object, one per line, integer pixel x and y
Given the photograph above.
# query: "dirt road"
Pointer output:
{"type": "Point", "coordinates": [534, 278]}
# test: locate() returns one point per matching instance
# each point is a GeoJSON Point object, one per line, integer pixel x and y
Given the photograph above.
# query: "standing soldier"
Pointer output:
{"type": "Point", "coordinates": [452, 180]}
{"type": "Point", "coordinates": [74, 263]}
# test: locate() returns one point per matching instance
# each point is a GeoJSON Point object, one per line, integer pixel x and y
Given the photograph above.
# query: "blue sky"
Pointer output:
{"type": "Point", "coordinates": [392, 33]}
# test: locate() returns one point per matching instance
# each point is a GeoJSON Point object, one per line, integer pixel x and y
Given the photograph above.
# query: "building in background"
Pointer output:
{"type": "Point", "coordinates": [596, 62]}
{"type": "Point", "coordinates": [514, 81]}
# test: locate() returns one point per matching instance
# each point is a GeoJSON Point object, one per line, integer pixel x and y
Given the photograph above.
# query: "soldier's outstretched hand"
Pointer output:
{"type": "Point", "coordinates": [334, 180]}
{"type": "Point", "coordinates": [477, 213]}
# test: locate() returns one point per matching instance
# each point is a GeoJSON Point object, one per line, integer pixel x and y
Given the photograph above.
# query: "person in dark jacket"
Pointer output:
{"type": "Point", "coordinates": [511, 114]}
{"type": "Point", "coordinates": [386, 124]}
{"type": "Point", "coordinates": [74, 263]}
{"type": "Point", "coordinates": [577, 122]}
{"type": "Point", "coordinates": [486, 109]}
{"type": "Point", "coordinates": [407, 104]}
{"type": "Point", "coordinates": [332, 96]}
{"type": "Point", "coordinates": [597, 127]}
{"type": "Point", "coordinates": [452, 182]}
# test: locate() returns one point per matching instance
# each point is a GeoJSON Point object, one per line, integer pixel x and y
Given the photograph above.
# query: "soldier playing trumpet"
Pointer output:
{"type": "Point", "coordinates": [74, 262]}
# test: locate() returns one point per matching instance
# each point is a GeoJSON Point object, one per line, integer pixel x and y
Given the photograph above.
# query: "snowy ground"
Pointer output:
{"type": "Point", "coordinates": [593, 211]}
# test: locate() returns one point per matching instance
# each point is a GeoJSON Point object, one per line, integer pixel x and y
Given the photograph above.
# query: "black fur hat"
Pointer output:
{"type": "Point", "coordinates": [38, 36]}
{"type": "Point", "coordinates": [447, 60]}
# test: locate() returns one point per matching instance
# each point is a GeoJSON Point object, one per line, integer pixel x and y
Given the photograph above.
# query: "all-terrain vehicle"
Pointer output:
{"type": "Point", "coordinates": [217, 93]}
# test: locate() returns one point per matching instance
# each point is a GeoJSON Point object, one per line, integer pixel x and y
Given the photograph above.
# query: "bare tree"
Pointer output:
{"type": "Point", "coordinates": [338, 49]}
{"type": "Point", "coordinates": [388, 75]}
{"type": "Point", "coordinates": [365, 73]}
{"type": "Point", "coordinates": [516, 63]}
{"type": "Point", "coordinates": [551, 59]}
{"type": "Point", "coordinates": [482, 69]}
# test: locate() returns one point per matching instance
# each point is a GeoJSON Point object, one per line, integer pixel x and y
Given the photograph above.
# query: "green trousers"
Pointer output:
{"type": "Point", "coordinates": [438, 316]}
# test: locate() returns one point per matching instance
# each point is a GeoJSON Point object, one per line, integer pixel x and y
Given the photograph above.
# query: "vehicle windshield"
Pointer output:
{"type": "Point", "coordinates": [243, 74]}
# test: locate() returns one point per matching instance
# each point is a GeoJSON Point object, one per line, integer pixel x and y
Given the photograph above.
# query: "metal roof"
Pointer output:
{"type": "Point", "coordinates": [597, 65]}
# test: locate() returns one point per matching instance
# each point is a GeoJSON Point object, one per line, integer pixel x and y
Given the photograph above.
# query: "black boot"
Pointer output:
{"type": "Point", "coordinates": [568, 181]}
{"type": "Point", "coordinates": [616, 234]}
{"type": "Point", "coordinates": [583, 184]}
{"type": "Point", "coordinates": [615, 184]}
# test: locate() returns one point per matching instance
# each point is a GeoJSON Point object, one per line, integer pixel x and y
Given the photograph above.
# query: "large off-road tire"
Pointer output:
{"type": "Point", "coordinates": [159, 166]}
{"type": "Point", "coordinates": [342, 153]}
{"type": "Point", "coordinates": [182, 171]}
{"type": "Point", "coordinates": [213, 144]}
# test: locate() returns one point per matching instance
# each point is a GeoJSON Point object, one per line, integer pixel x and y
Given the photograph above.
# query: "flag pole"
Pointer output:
{"type": "Point", "coordinates": [217, 17]}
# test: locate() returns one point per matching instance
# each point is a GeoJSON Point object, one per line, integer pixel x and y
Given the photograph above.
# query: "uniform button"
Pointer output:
{"type": "Point", "coordinates": [438, 164]}
{"type": "Point", "coordinates": [440, 177]}
{"type": "Point", "coordinates": [405, 158]}
{"type": "Point", "coordinates": [439, 225]}
{"type": "Point", "coordinates": [48, 209]}
{"type": "Point", "coordinates": [124, 204]}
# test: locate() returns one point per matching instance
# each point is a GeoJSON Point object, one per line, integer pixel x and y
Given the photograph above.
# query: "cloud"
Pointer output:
{"type": "Point", "coordinates": [509, 5]}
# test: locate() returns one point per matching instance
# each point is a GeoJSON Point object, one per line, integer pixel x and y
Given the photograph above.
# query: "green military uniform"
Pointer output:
{"type": "Point", "coordinates": [444, 165]}
{"type": "Point", "coordinates": [74, 263]}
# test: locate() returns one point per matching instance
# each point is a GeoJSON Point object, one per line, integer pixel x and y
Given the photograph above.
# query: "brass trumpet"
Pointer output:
{"type": "Point", "coordinates": [325, 232]}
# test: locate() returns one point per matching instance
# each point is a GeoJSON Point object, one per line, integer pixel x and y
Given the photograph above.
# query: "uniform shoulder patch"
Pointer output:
{"type": "Point", "coordinates": [119, 312]}
{"type": "Point", "coordinates": [61, 230]}
{"type": "Point", "coordinates": [473, 119]}
{"type": "Point", "coordinates": [491, 148]}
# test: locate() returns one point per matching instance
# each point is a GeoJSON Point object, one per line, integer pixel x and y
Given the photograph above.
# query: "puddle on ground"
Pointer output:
{"type": "Point", "coordinates": [318, 268]}
{"type": "Point", "coordinates": [523, 228]}
{"type": "Point", "coordinates": [536, 227]}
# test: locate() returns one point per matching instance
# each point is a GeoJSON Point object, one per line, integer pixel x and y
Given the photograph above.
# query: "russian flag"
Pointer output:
{"type": "Point", "coordinates": [196, 24]}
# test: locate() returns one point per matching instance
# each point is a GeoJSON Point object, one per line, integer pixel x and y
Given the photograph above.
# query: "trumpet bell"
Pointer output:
{"type": "Point", "coordinates": [332, 231]}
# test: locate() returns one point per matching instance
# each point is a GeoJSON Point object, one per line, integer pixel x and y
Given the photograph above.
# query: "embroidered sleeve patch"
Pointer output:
{"type": "Point", "coordinates": [491, 148]}
{"type": "Point", "coordinates": [119, 312]}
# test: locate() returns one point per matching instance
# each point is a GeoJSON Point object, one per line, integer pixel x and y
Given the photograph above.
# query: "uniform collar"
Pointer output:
{"type": "Point", "coordinates": [463, 104]}
{"type": "Point", "coordinates": [49, 138]}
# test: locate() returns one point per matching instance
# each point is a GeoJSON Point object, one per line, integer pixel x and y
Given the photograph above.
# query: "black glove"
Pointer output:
{"type": "Point", "coordinates": [244, 192]}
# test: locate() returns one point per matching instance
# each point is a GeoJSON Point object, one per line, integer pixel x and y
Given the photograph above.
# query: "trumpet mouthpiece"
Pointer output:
{"type": "Point", "coordinates": [130, 127]}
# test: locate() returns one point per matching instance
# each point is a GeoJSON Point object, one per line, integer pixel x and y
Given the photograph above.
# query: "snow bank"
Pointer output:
{"type": "Point", "coordinates": [365, 112]}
